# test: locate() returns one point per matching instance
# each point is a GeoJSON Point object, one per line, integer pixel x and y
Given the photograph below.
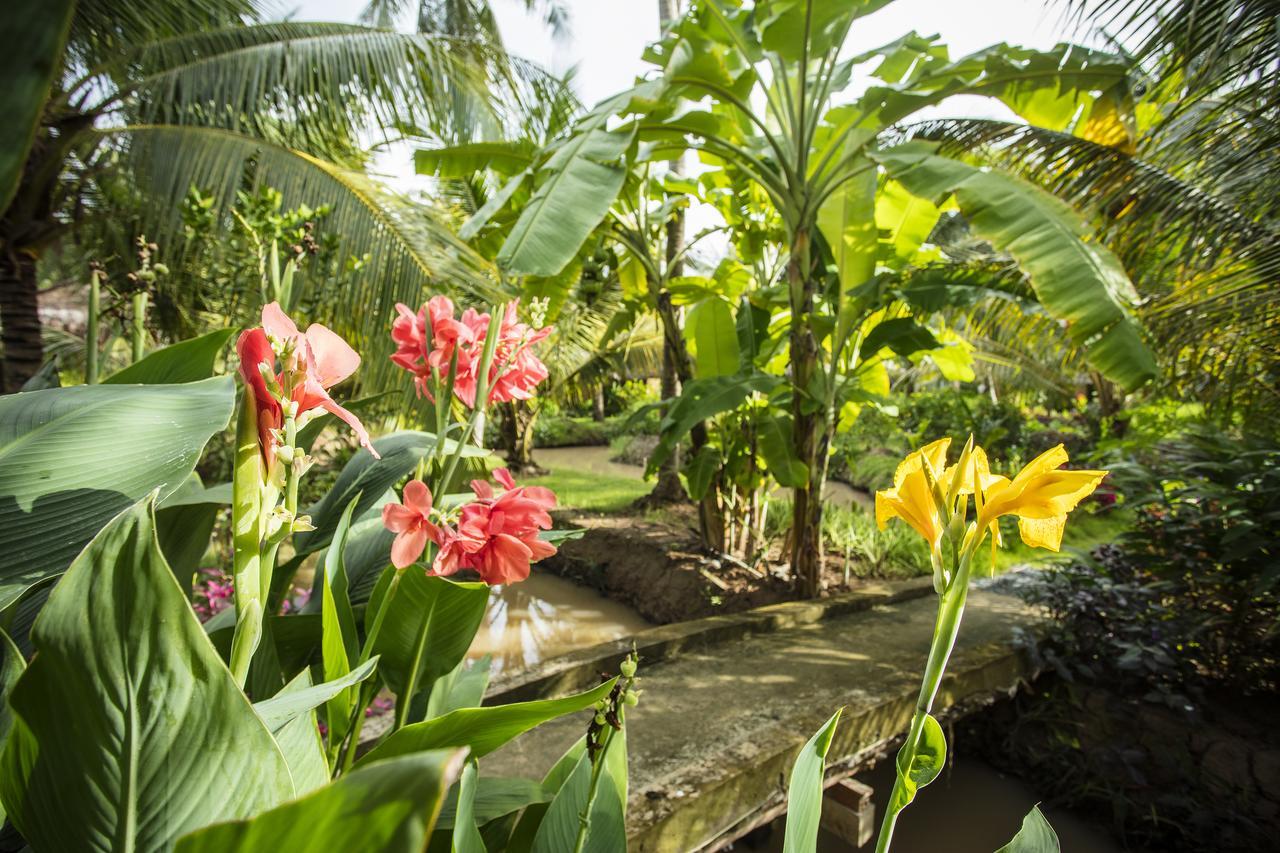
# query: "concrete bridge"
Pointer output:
{"type": "Point", "coordinates": [728, 701]}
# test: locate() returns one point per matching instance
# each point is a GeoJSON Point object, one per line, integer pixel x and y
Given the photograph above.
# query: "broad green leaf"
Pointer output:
{"type": "Point", "coordinates": [715, 339]}
{"type": "Point", "coordinates": [903, 335]}
{"type": "Point", "coordinates": [428, 628]}
{"type": "Point", "coordinates": [701, 399]}
{"type": "Point", "coordinates": [777, 445]}
{"type": "Point", "coordinates": [462, 687]}
{"type": "Point", "coordinates": [797, 28]}
{"type": "Point", "coordinates": [606, 821]}
{"type": "Point", "coordinates": [700, 471]}
{"type": "Point", "coordinates": [478, 220]}
{"type": "Point", "coordinates": [847, 219]}
{"type": "Point", "coordinates": [463, 161]}
{"type": "Point", "coordinates": [1035, 836]}
{"type": "Point", "coordinates": [484, 729]}
{"type": "Point", "coordinates": [906, 219]}
{"type": "Point", "coordinates": [495, 796]}
{"type": "Point", "coordinates": [527, 826]}
{"type": "Point", "coordinates": [72, 458]}
{"type": "Point", "coordinates": [1076, 279]}
{"type": "Point", "coordinates": [132, 731]}
{"type": "Point", "coordinates": [930, 758]}
{"type": "Point", "coordinates": [580, 180]}
{"type": "Point", "coordinates": [339, 642]}
{"type": "Point", "coordinates": [184, 524]}
{"type": "Point", "coordinates": [387, 806]}
{"type": "Point", "coordinates": [466, 837]}
{"type": "Point", "coordinates": [186, 361]}
{"type": "Point", "coordinates": [804, 796]}
{"type": "Point", "coordinates": [370, 478]}
{"type": "Point", "coordinates": [288, 704]}
{"type": "Point", "coordinates": [35, 35]}
{"type": "Point", "coordinates": [300, 743]}
{"type": "Point", "coordinates": [13, 666]}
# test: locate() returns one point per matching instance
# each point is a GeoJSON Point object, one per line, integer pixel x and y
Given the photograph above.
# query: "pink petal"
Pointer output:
{"type": "Point", "coordinates": [506, 560]}
{"type": "Point", "coordinates": [418, 497]}
{"type": "Point", "coordinates": [333, 359]}
{"type": "Point", "coordinates": [399, 519]}
{"type": "Point", "coordinates": [482, 489]}
{"type": "Point", "coordinates": [277, 323]}
{"type": "Point", "coordinates": [408, 547]}
{"type": "Point", "coordinates": [313, 395]}
{"type": "Point", "coordinates": [503, 476]}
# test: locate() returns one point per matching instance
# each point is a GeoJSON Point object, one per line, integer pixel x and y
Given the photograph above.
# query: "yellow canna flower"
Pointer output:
{"type": "Point", "coordinates": [911, 497]}
{"type": "Point", "coordinates": [1040, 495]}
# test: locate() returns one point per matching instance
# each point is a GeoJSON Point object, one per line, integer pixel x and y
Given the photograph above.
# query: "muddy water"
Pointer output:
{"type": "Point", "coordinates": [971, 808]}
{"type": "Point", "coordinates": [545, 616]}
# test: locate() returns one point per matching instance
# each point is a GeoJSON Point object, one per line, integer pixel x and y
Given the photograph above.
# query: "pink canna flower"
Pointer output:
{"type": "Point", "coordinates": [411, 522]}
{"type": "Point", "coordinates": [312, 362]}
{"type": "Point", "coordinates": [429, 340]}
{"type": "Point", "coordinates": [506, 528]}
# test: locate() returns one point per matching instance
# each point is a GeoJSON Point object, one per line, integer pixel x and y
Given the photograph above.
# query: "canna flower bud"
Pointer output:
{"type": "Point", "coordinates": [628, 667]}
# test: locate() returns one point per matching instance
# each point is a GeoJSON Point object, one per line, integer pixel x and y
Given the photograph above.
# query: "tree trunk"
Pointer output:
{"type": "Point", "coordinates": [808, 431]}
{"type": "Point", "coordinates": [668, 488]}
{"type": "Point", "coordinates": [597, 404]}
{"type": "Point", "coordinates": [19, 318]}
{"type": "Point", "coordinates": [516, 431]}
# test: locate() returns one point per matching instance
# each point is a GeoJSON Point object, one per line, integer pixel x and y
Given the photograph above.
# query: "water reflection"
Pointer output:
{"type": "Point", "coordinates": [545, 616]}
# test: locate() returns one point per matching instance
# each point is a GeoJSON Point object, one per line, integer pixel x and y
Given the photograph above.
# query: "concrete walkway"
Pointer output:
{"type": "Point", "coordinates": [715, 734]}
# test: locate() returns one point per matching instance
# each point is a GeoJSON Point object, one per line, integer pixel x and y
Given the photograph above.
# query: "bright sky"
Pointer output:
{"type": "Point", "coordinates": [608, 37]}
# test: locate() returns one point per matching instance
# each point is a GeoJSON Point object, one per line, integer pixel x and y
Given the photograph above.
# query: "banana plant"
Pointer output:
{"type": "Point", "coordinates": [765, 89]}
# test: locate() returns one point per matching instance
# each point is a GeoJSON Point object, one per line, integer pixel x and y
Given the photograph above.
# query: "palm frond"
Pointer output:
{"type": "Point", "coordinates": [403, 251]}
{"type": "Point", "coordinates": [104, 29]}
{"type": "Point", "coordinates": [303, 85]}
{"type": "Point", "coordinates": [1206, 264]}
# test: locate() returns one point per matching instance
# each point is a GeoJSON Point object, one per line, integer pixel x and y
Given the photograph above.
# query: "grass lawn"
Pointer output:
{"type": "Point", "coordinates": [591, 490]}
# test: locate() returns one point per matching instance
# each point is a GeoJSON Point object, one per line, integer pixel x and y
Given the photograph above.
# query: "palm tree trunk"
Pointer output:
{"type": "Point", "coordinates": [668, 488]}
{"type": "Point", "coordinates": [19, 319]}
{"type": "Point", "coordinates": [516, 431]}
{"type": "Point", "coordinates": [808, 428]}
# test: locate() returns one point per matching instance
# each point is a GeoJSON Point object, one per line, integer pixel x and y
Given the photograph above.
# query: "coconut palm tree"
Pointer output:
{"type": "Point", "coordinates": [205, 94]}
{"type": "Point", "coordinates": [1182, 183]}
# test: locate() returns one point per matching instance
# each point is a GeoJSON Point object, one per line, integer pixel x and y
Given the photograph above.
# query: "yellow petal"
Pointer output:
{"type": "Point", "coordinates": [935, 452]}
{"type": "Point", "coordinates": [1056, 493]}
{"type": "Point", "coordinates": [1043, 532]}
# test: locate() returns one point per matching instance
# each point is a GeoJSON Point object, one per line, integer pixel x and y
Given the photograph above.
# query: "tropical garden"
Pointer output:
{"type": "Point", "coordinates": [400, 452]}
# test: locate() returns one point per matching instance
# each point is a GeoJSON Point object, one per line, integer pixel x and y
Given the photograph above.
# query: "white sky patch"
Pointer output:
{"type": "Point", "coordinates": [608, 37]}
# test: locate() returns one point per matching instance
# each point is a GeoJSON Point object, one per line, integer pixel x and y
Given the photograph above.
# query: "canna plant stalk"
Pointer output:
{"type": "Point", "coordinates": [286, 375]}
{"type": "Point", "coordinates": [934, 500]}
{"type": "Point", "coordinates": [91, 328]}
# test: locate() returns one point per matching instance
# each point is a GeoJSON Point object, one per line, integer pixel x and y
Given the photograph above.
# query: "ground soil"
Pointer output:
{"type": "Point", "coordinates": [659, 569]}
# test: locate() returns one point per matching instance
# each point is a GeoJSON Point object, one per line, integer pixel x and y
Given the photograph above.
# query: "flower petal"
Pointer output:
{"type": "Point", "coordinates": [418, 497]}
{"type": "Point", "coordinates": [408, 547]}
{"type": "Point", "coordinates": [333, 359]}
{"type": "Point", "coordinates": [277, 323]}
{"type": "Point", "coordinates": [1043, 532]}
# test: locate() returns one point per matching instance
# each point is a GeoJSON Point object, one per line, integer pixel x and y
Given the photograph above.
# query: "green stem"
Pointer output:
{"type": "Point", "coordinates": [91, 333]}
{"type": "Point", "coordinates": [946, 628]}
{"type": "Point", "coordinates": [404, 702]}
{"type": "Point", "coordinates": [366, 691]}
{"type": "Point", "coordinates": [584, 818]}
{"type": "Point", "coordinates": [139, 324]}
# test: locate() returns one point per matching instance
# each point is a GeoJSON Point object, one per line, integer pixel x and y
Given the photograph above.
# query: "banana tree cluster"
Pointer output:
{"type": "Point", "coordinates": [766, 91]}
